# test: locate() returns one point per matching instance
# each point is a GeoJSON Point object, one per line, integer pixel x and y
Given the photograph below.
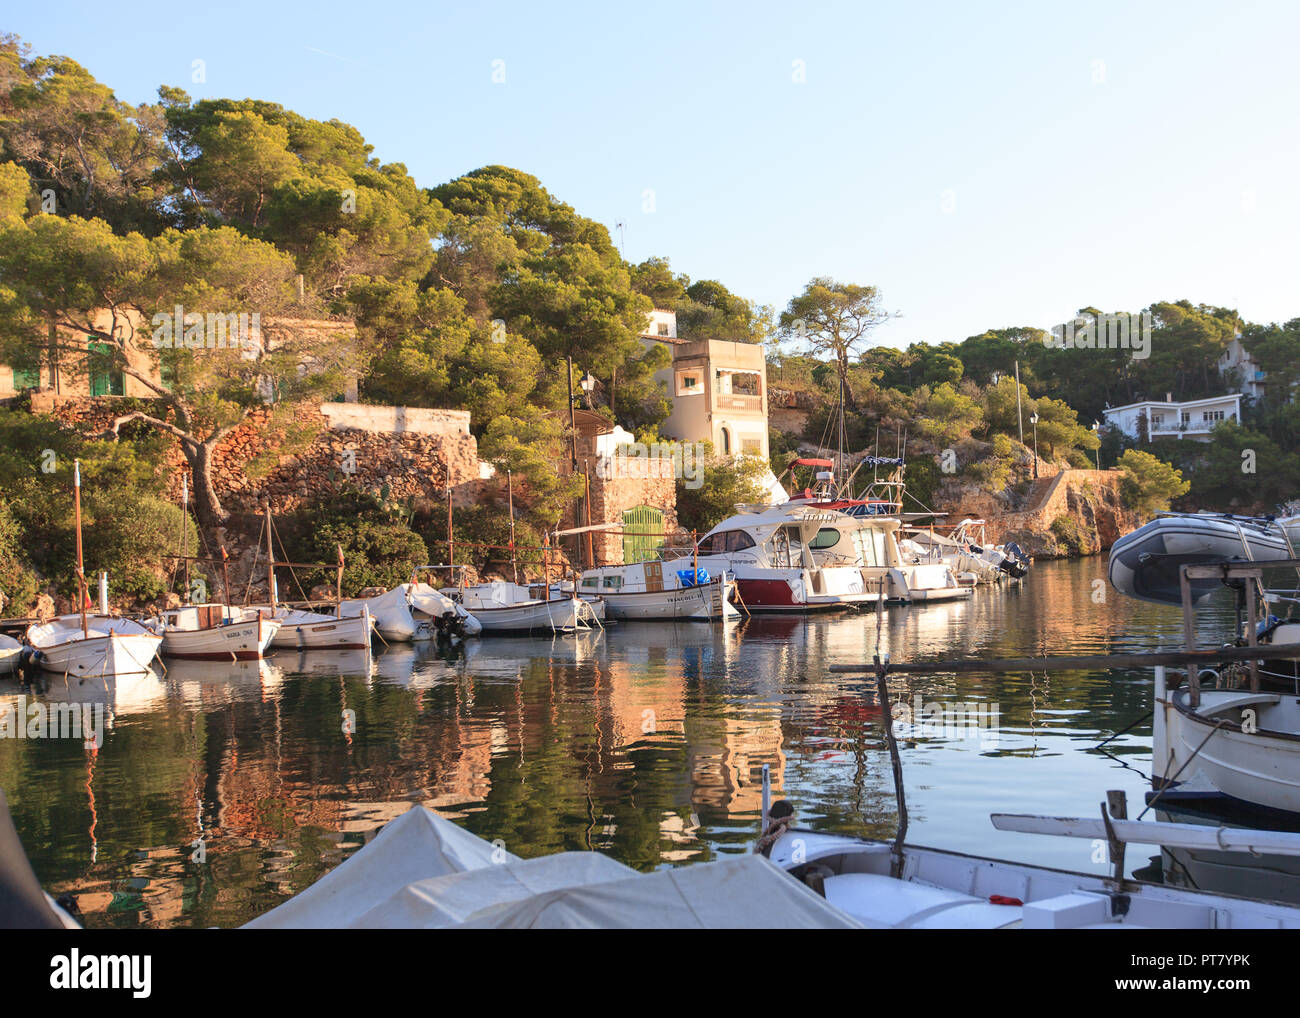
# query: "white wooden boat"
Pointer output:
{"type": "Point", "coordinates": [109, 645]}
{"type": "Point", "coordinates": [216, 632]}
{"type": "Point", "coordinates": [1235, 746]}
{"type": "Point", "coordinates": [501, 607]}
{"type": "Point", "coordinates": [423, 872]}
{"type": "Point", "coordinates": [1145, 564]}
{"type": "Point", "coordinates": [660, 590]}
{"type": "Point", "coordinates": [10, 650]}
{"type": "Point", "coordinates": [304, 630]}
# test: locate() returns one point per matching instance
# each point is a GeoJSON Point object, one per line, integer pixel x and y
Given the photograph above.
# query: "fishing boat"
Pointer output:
{"type": "Point", "coordinates": [424, 872]}
{"type": "Point", "coordinates": [439, 614]}
{"type": "Point", "coordinates": [503, 607]}
{"type": "Point", "coordinates": [91, 644]}
{"type": "Point", "coordinates": [1145, 563]}
{"type": "Point", "coordinates": [215, 632]}
{"type": "Point", "coordinates": [308, 630]}
{"type": "Point", "coordinates": [394, 618]}
{"type": "Point", "coordinates": [657, 590]}
{"type": "Point", "coordinates": [967, 550]}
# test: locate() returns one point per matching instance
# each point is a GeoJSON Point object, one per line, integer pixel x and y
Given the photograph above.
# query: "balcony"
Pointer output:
{"type": "Point", "coordinates": [743, 404]}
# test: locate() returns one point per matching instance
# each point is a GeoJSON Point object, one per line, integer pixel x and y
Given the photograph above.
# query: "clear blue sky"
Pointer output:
{"type": "Point", "coordinates": [983, 166]}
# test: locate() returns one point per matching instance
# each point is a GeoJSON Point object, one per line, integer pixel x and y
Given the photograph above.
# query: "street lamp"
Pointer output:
{"type": "Point", "coordinates": [588, 383]}
{"type": "Point", "coordinates": [1033, 419]}
{"type": "Point", "coordinates": [1096, 427]}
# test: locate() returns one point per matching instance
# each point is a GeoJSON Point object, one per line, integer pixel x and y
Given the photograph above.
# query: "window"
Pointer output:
{"type": "Point", "coordinates": [751, 446]}
{"type": "Point", "coordinates": [726, 442]}
{"type": "Point", "coordinates": [26, 378]}
{"type": "Point", "coordinates": [613, 581]}
{"type": "Point", "coordinates": [663, 328]}
{"type": "Point", "coordinates": [1187, 417]}
{"type": "Point", "coordinates": [1212, 415]}
{"type": "Point", "coordinates": [589, 581]}
{"type": "Point", "coordinates": [827, 537]}
{"type": "Point", "coordinates": [738, 540]}
{"type": "Point", "coordinates": [690, 383]}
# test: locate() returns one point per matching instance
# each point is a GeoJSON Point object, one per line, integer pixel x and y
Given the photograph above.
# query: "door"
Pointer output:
{"type": "Point", "coordinates": [643, 528]}
{"type": "Point", "coordinates": [104, 379]}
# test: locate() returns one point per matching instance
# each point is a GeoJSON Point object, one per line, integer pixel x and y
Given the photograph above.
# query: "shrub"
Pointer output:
{"type": "Point", "coordinates": [379, 549]}
{"type": "Point", "coordinates": [18, 584]}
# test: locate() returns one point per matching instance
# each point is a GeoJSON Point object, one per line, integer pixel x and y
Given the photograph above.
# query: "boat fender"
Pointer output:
{"type": "Point", "coordinates": [1002, 899]}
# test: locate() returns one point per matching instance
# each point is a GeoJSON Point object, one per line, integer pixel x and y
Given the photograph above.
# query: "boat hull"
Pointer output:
{"type": "Point", "coordinates": [347, 633]}
{"type": "Point", "coordinates": [699, 603]}
{"type": "Point", "coordinates": [238, 641]}
{"type": "Point", "coordinates": [105, 655]}
{"type": "Point", "coordinates": [1234, 746]}
{"type": "Point", "coordinates": [564, 615]}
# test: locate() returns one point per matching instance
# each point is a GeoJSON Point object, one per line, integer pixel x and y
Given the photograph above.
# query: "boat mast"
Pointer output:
{"type": "Point", "coordinates": [81, 573]}
{"type": "Point", "coordinates": [510, 495]}
{"type": "Point", "coordinates": [270, 559]}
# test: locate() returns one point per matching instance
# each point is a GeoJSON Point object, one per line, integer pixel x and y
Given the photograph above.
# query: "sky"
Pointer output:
{"type": "Point", "coordinates": [982, 165]}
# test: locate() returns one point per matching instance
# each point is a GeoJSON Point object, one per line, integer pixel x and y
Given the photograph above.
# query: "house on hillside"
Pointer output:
{"type": "Point", "coordinates": [1238, 365]}
{"type": "Point", "coordinates": [1193, 419]}
{"type": "Point", "coordinates": [78, 375]}
{"type": "Point", "coordinates": [718, 389]}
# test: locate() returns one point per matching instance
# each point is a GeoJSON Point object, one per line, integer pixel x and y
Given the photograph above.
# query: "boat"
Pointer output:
{"type": "Point", "coordinates": [503, 607]}
{"type": "Point", "coordinates": [10, 651]}
{"type": "Point", "coordinates": [394, 620]}
{"type": "Point", "coordinates": [307, 630]}
{"type": "Point", "coordinates": [648, 590]}
{"type": "Point", "coordinates": [768, 551]}
{"type": "Point", "coordinates": [421, 871]}
{"type": "Point", "coordinates": [966, 550]}
{"type": "Point", "coordinates": [1145, 564]}
{"type": "Point", "coordinates": [215, 632]}
{"type": "Point", "coordinates": [443, 616]}
{"type": "Point", "coordinates": [86, 643]}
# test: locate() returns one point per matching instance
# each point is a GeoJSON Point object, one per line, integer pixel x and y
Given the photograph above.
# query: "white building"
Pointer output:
{"type": "Point", "coordinates": [1237, 358]}
{"type": "Point", "coordinates": [1194, 419]}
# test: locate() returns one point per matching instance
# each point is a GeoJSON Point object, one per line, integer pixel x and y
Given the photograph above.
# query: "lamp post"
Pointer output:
{"type": "Point", "coordinates": [588, 383]}
{"type": "Point", "coordinates": [1033, 419]}
{"type": "Point", "coordinates": [1096, 427]}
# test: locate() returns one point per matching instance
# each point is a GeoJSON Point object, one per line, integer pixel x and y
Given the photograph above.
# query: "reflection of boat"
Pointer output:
{"type": "Point", "coordinates": [355, 661]}
{"type": "Point", "coordinates": [136, 692]}
{"type": "Point", "coordinates": [94, 645]}
{"type": "Point", "coordinates": [1145, 564]}
{"type": "Point", "coordinates": [216, 632]}
{"type": "Point", "coordinates": [507, 659]}
{"type": "Point", "coordinates": [200, 681]}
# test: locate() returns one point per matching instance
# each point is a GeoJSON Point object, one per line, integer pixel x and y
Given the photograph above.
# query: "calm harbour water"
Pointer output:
{"type": "Point", "coordinates": [222, 790]}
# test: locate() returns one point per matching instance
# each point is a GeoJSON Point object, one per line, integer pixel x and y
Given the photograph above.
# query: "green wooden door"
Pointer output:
{"type": "Point", "coordinates": [643, 528]}
{"type": "Point", "coordinates": [104, 380]}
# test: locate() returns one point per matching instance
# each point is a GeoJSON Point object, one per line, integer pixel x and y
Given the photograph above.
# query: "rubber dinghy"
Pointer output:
{"type": "Point", "coordinates": [407, 613]}
{"type": "Point", "coordinates": [1145, 563]}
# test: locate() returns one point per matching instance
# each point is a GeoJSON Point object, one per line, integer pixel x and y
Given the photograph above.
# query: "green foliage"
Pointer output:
{"type": "Point", "coordinates": [1066, 530]}
{"type": "Point", "coordinates": [18, 586]}
{"type": "Point", "coordinates": [722, 484]}
{"type": "Point", "coordinates": [947, 416]}
{"type": "Point", "coordinates": [528, 443]}
{"type": "Point", "coordinates": [1149, 484]}
{"type": "Point", "coordinates": [379, 549]}
{"type": "Point", "coordinates": [995, 470]}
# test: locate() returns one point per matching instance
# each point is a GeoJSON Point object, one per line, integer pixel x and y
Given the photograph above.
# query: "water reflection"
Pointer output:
{"type": "Point", "coordinates": [221, 790]}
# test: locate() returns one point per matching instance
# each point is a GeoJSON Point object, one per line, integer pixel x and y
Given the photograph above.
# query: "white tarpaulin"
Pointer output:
{"type": "Point", "coordinates": [447, 901]}
{"type": "Point", "coordinates": [392, 613]}
{"type": "Point", "coordinates": [743, 892]}
{"type": "Point", "coordinates": [416, 846]}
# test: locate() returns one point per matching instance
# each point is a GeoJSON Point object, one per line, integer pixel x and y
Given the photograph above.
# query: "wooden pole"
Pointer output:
{"type": "Point", "coordinates": [510, 496]}
{"type": "Point", "coordinates": [451, 547]}
{"type": "Point", "coordinates": [225, 575]}
{"type": "Point", "coordinates": [185, 511]}
{"type": "Point", "coordinates": [338, 585]}
{"type": "Point", "coordinates": [81, 572]}
{"type": "Point", "coordinates": [586, 507]}
{"type": "Point", "coordinates": [270, 559]}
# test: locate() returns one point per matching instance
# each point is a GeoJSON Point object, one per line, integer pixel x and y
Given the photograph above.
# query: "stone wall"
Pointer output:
{"type": "Point", "coordinates": [1084, 506]}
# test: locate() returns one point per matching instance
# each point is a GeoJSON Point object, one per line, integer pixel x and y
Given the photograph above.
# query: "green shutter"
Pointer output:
{"type": "Point", "coordinates": [26, 378]}
{"type": "Point", "coordinates": [642, 541]}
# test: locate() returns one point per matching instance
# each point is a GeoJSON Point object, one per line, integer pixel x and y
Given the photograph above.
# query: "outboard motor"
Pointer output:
{"type": "Point", "coordinates": [28, 667]}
